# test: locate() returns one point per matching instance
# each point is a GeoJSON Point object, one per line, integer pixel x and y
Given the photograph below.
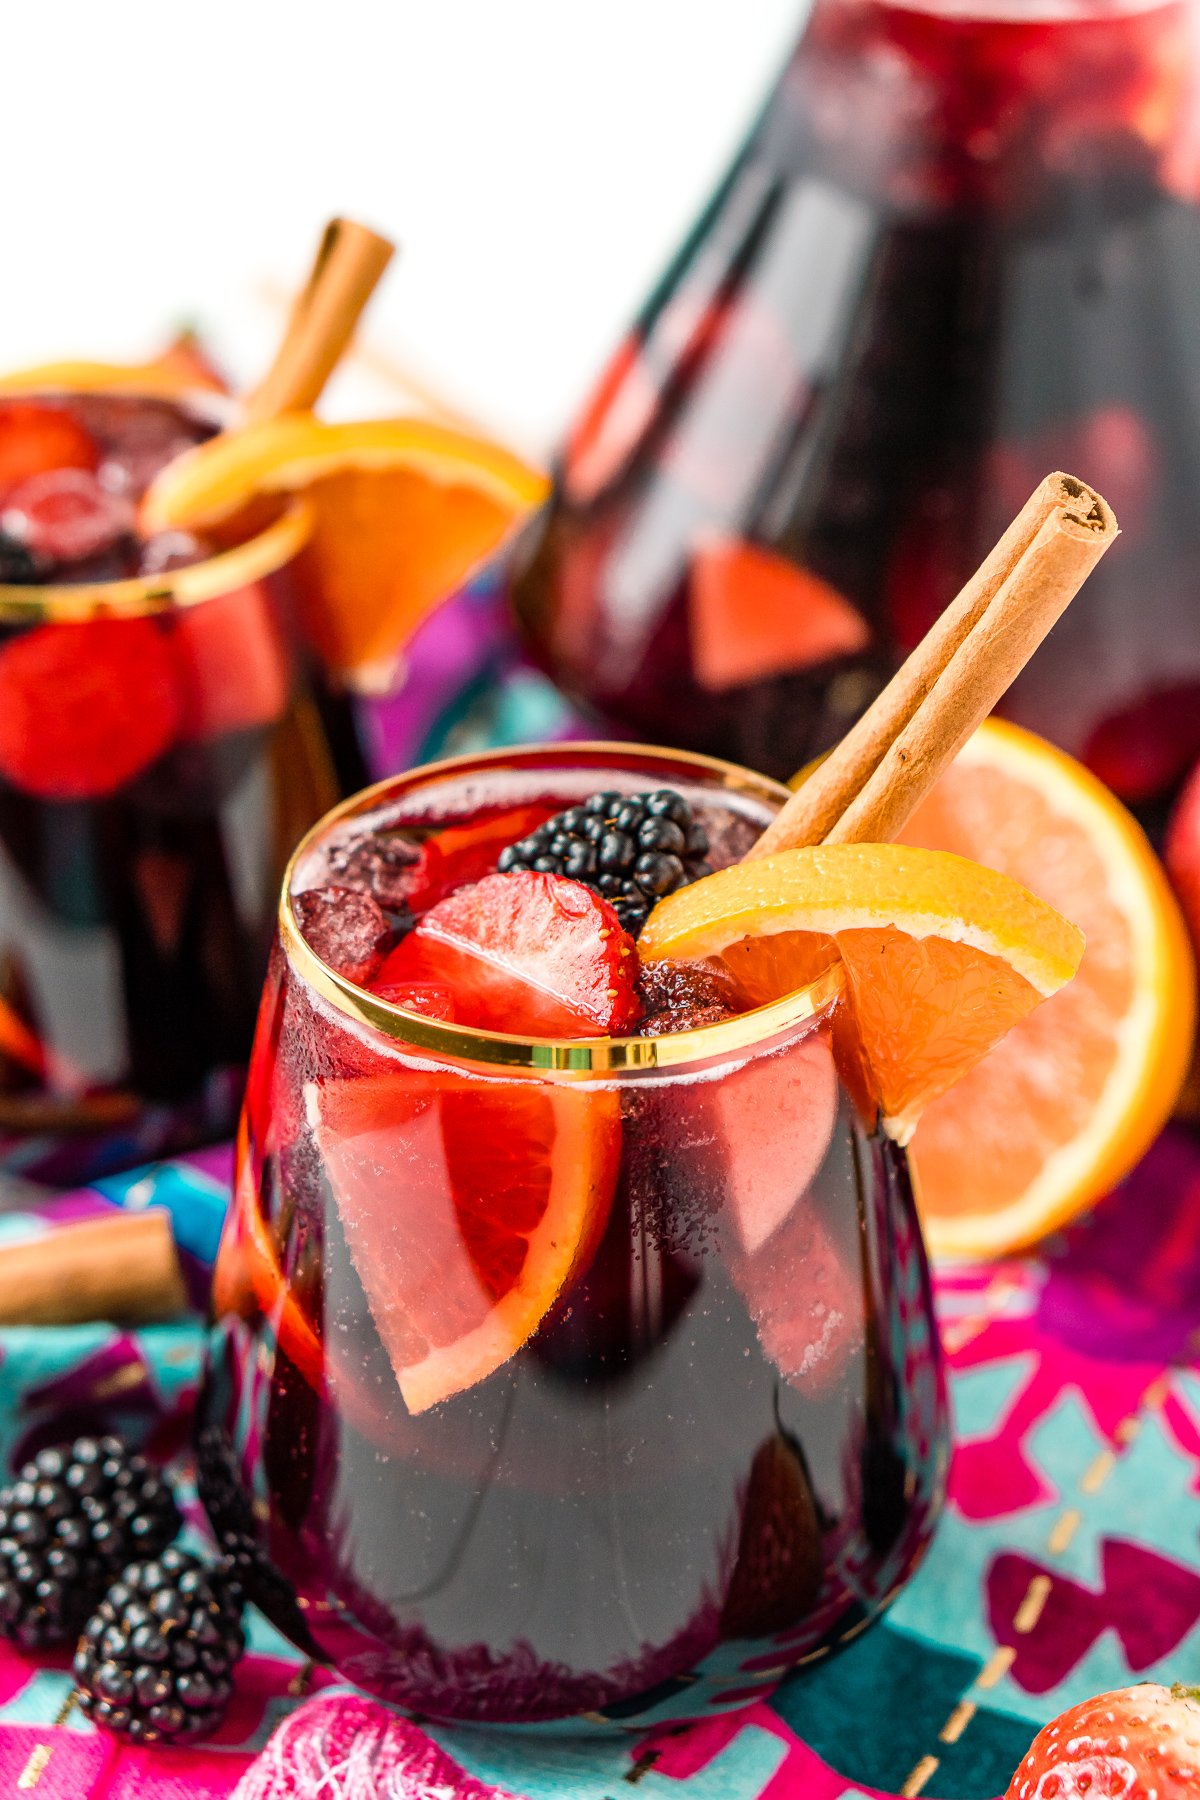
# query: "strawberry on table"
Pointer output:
{"type": "Point", "coordinates": [1136, 1743]}
{"type": "Point", "coordinates": [525, 953]}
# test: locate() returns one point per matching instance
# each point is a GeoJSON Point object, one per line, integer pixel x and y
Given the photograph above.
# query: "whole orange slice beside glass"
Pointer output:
{"type": "Point", "coordinates": [467, 1206]}
{"type": "Point", "coordinates": [404, 511]}
{"type": "Point", "coordinates": [1064, 1107]}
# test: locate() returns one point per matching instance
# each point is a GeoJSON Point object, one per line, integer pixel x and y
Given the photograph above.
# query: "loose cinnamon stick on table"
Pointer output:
{"type": "Point", "coordinates": [868, 786]}
{"type": "Point", "coordinates": [122, 1268]}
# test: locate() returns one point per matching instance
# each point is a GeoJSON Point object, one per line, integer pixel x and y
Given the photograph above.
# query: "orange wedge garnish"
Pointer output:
{"type": "Point", "coordinates": [182, 368]}
{"type": "Point", "coordinates": [468, 1206]}
{"type": "Point", "coordinates": [404, 511]}
{"type": "Point", "coordinates": [942, 956]}
{"type": "Point", "coordinates": [1055, 1115]}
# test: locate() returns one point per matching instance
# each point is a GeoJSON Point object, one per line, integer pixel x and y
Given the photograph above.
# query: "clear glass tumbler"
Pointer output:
{"type": "Point", "coordinates": [559, 1380]}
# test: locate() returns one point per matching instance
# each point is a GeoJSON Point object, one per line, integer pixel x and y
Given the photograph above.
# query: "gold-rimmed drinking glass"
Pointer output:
{"type": "Point", "coordinates": [690, 1436]}
{"type": "Point", "coordinates": [159, 755]}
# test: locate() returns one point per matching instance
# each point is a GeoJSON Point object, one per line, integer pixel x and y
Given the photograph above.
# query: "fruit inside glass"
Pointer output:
{"type": "Point", "coordinates": [961, 247]}
{"type": "Point", "coordinates": [158, 758]}
{"type": "Point", "coordinates": [562, 1375]}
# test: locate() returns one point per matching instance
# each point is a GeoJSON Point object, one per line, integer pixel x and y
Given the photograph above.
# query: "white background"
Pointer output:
{"type": "Point", "coordinates": [537, 159]}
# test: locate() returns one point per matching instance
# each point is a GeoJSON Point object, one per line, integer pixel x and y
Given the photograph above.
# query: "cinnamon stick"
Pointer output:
{"type": "Point", "coordinates": [868, 786]}
{"type": "Point", "coordinates": [124, 1268]}
{"type": "Point", "coordinates": [349, 262]}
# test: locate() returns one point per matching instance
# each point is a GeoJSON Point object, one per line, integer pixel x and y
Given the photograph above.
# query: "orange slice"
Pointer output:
{"type": "Point", "coordinates": [468, 1206]}
{"type": "Point", "coordinates": [404, 511]}
{"type": "Point", "coordinates": [754, 614]}
{"type": "Point", "coordinates": [941, 955]}
{"type": "Point", "coordinates": [181, 368]}
{"type": "Point", "coordinates": [1055, 1115]}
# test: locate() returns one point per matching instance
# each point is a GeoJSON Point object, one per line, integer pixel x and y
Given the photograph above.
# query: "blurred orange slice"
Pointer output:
{"type": "Point", "coordinates": [468, 1205]}
{"type": "Point", "coordinates": [1059, 1111]}
{"type": "Point", "coordinates": [404, 511]}
{"type": "Point", "coordinates": [942, 956]}
{"type": "Point", "coordinates": [181, 368]}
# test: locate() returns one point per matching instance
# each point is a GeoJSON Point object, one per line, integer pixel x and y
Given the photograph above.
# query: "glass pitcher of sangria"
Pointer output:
{"type": "Point", "coordinates": [159, 754]}
{"type": "Point", "coordinates": [961, 245]}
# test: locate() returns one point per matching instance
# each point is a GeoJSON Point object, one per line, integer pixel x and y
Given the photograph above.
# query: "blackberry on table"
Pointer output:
{"type": "Point", "coordinates": [632, 848]}
{"type": "Point", "coordinates": [69, 1523]}
{"type": "Point", "coordinates": [155, 1662]}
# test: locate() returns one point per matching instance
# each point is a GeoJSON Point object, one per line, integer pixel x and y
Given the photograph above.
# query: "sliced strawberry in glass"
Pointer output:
{"type": "Point", "coordinates": [235, 660]}
{"type": "Point", "coordinates": [465, 853]}
{"type": "Point", "coordinates": [427, 997]}
{"type": "Point", "coordinates": [525, 953]}
{"type": "Point", "coordinates": [36, 437]}
{"type": "Point", "coordinates": [468, 1206]}
{"type": "Point", "coordinates": [86, 707]}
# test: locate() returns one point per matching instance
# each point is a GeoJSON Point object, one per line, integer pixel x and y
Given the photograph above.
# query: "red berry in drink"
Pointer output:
{"type": "Point", "coordinates": [525, 953]}
{"type": "Point", "coordinates": [65, 515]}
{"type": "Point", "coordinates": [36, 437]}
{"type": "Point", "coordinates": [346, 929]}
{"type": "Point", "coordinates": [1137, 1743]}
{"type": "Point", "coordinates": [86, 707]}
{"type": "Point", "coordinates": [682, 996]}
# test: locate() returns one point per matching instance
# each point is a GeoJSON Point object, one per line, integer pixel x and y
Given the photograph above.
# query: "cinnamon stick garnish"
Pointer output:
{"type": "Point", "coordinates": [124, 1268]}
{"type": "Point", "coordinates": [869, 785]}
{"type": "Point", "coordinates": [346, 269]}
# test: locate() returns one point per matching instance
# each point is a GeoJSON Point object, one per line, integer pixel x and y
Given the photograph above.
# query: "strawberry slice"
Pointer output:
{"type": "Point", "coordinates": [525, 953]}
{"type": "Point", "coordinates": [85, 707]}
{"type": "Point", "coordinates": [36, 437]}
{"type": "Point", "coordinates": [427, 997]}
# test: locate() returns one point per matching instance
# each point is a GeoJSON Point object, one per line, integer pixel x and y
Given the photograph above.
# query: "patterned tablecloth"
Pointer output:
{"type": "Point", "coordinates": [1068, 1560]}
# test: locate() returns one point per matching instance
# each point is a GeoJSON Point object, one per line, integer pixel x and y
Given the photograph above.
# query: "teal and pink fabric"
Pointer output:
{"type": "Point", "coordinates": [1068, 1560]}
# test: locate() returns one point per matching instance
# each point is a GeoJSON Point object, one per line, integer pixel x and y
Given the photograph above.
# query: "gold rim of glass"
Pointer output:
{"type": "Point", "coordinates": [578, 1056]}
{"type": "Point", "coordinates": [263, 554]}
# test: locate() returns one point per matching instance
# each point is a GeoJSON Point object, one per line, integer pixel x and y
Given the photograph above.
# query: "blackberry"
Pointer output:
{"type": "Point", "coordinates": [632, 848]}
{"type": "Point", "coordinates": [155, 1662]}
{"type": "Point", "coordinates": [17, 566]}
{"type": "Point", "coordinates": [231, 1519]}
{"type": "Point", "coordinates": [69, 1523]}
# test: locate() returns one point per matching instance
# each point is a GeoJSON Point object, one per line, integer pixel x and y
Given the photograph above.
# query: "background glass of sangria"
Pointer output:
{"type": "Point", "coordinates": [158, 758]}
{"type": "Point", "coordinates": [961, 247]}
{"type": "Point", "coordinates": [560, 1378]}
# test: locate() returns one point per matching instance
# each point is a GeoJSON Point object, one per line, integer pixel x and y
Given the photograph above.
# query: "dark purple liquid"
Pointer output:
{"type": "Point", "coordinates": [720, 1451]}
{"type": "Point", "coordinates": [958, 252]}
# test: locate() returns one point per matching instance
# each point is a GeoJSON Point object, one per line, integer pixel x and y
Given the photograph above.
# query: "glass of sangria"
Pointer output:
{"type": "Point", "coordinates": [572, 1359]}
{"type": "Point", "coordinates": [158, 757]}
{"type": "Point", "coordinates": [961, 246]}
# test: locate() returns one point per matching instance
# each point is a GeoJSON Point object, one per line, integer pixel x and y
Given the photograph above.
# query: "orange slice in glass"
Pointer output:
{"type": "Point", "coordinates": [1059, 1111]}
{"type": "Point", "coordinates": [942, 956]}
{"type": "Point", "coordinates": [404, 511]}
{"type": "Point", "coordinates": [468, 1206]}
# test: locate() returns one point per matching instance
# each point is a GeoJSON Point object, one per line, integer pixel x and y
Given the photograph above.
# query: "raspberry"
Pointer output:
{"type": "Point", "coordinates": [347, 930]}
{"type": "Point", "coordinates": [682, 996]}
